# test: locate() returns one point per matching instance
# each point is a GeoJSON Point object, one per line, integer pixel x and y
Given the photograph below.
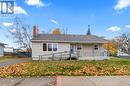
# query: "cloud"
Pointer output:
{"type": "Point", "coordinates": [13, 31]}
{"type": "Point", "coordinates": [122, 4]}
{"type": "Point", "coordinates": [37, 3]}
{"type": "Point", "coordinates": [7, 24]}
{"type": "Point", "coordinates": [54, 21]}
{"type": "Point", "coordinates": [127, 26]}
{"type": "Point", "coordinates": [114, 29]}
{"type": "Point", "coordinates": [19, 10]}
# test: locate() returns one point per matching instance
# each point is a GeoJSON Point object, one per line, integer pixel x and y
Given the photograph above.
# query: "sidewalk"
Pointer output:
{"type": "Point", "coordinates": [68, 81]}
{"type": "Point", "coordinates": [94, 81]}
{"type": "Point", "coordinates": [42, 81]}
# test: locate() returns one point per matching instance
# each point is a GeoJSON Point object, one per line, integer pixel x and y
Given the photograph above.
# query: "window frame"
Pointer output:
{"type": "Point", "coordinates": [96, 47]}
{"type": "Point", "coordinates": [52, 46]}
{"type": "Point", "coordinates": [43, 46]}
{"type": "Point", "coordinates": [79, 47]}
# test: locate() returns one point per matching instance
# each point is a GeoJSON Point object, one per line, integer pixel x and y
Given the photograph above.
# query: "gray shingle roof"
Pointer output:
{"type": "Point", "coordinates": [2, 43]}
{"type": "Point", "coordinates": [69, 38]}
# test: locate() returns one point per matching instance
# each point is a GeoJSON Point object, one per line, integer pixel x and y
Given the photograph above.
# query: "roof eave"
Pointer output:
{"type": "Point", "coordinates": [102, 42]}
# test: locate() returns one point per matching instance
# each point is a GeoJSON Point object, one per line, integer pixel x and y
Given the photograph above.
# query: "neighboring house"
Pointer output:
{"type": "Point", "coordinates": [2, 49]}
{"type": "Point", "coordinates": [122, 54]}
{"type": "Point", "coordinates": [89, 47]}
{"type": "Point", "coordinates": [9, 50]}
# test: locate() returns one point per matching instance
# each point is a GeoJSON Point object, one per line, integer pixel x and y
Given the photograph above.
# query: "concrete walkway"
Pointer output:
{"type": "Point", "coordinates": [68, 81]}
{"type": "Point", "coordinates": [14, 61]}
{"type": "Point", "coordinates": [94, 81]}
{"type": "Point", "coordinates": [43, 81]}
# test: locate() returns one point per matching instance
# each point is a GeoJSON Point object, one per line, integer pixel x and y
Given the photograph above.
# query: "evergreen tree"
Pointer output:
{"type": "Point", "coordinates": [89, 32]}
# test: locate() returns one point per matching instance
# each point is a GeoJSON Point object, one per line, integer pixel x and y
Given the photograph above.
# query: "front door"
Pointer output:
{"type": "Point", "coordinates": [76, 48]}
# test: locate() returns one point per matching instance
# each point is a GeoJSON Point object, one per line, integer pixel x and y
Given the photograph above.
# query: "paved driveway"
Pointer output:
{"type": "Point", "coordinates": [14, 61]}
{"type": "Point", "coordinates": [95, 81]}
{"type": "Point", "coordinates": [43, 81]}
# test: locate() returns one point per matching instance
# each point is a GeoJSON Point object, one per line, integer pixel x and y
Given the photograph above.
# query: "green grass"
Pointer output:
{"type": "Point", "coordinates": [113, 66]}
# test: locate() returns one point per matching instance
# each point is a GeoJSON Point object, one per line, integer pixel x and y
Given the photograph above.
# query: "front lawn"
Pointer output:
{"type": "Point", "coordinates": [114, 66]}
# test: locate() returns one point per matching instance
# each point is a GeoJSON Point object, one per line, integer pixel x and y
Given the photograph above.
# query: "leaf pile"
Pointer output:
{"type": "Point", "coordinates": [13, 70]}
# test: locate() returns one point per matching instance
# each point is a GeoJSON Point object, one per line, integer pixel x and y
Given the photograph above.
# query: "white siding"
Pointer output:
{"type": "Point", "coordinates": [1, 50]}
{"type": "Point", "coordinates": [86, 48]}
{"type": "Point", "coordinates": [9, 49]}
{"type": "Point", "coordinates": [86, 53]}
{"type": "Point", "coordinates": [37, 49]}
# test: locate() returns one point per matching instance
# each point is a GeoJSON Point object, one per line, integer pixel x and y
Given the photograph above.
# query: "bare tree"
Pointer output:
{"type": "Point", "coordinates": [21, 34]}
{"type": "Point", "coordinates": [124, 42]}
{"type": "Point", "coordinates": [64, 30]}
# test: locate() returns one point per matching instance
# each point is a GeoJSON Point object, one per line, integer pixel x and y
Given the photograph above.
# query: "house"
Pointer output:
{"type": "Point", "coordinates": [122, 54]}
{"type": "Point", "coordinates": [9, 50]}
{"type": "Point", "coordinates": [2, 45]}
{"type": "Point", "coordinates": [48, 46]}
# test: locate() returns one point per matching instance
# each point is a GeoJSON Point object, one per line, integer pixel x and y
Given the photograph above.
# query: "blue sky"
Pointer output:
{"type": "Point", "coordinates": [106, 17]}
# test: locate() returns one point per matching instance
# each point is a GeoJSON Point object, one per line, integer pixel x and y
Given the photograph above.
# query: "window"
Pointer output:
{"type": "Point", "coordinates": [95, 47]}
{"type": "Point", "coordinates": [49, 47]}
{"type": "Point", "coordinates": [54, 47]}
{"type": "Point", "coordinates": [44, 47]}
{"type": "Point", "coordinates": [79, 47]}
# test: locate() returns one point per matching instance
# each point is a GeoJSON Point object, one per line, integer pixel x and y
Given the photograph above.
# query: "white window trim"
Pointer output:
{"type": "Point", "coordinates": [80, 46]}
{"type": "Point", "coordinates": [97, 47]}
{"type": "Point", "coordinates": [52, 47]}
{"type": "Point", "coordinates": [46, 46]}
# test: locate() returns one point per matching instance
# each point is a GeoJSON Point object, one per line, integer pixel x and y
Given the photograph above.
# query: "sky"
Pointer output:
{"type": "Point", "coordinates": [106, 18]}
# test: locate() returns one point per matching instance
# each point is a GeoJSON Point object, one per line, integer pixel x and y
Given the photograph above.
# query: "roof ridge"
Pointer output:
{"type": "Point", "coordinates": [69, 34]}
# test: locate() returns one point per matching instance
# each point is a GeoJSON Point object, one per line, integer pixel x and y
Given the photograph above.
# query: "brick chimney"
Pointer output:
{"type": "Point", "coordinates": [35, 31]}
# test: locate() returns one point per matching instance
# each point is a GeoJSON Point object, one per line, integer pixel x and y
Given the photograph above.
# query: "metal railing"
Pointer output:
{"type": "Point", "coordinates": [72, 54]}
{"type": "Point", "coordinates": [60, 55]}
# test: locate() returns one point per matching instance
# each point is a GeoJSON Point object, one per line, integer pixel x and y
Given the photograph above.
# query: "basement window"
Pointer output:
{"type": "Point", "coordinates": [96, 47]}
{"type": "Point", "coordinates": [44, 47]}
